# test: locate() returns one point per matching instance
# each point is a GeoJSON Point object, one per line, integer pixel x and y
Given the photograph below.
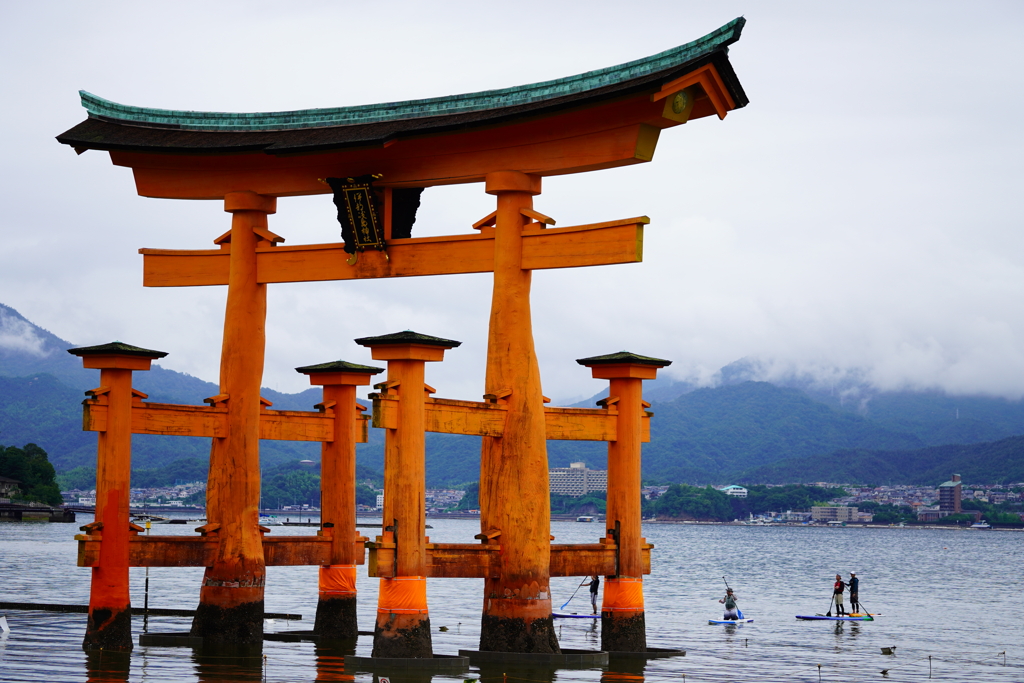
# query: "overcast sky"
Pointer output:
{"type": "Point", "coordinates": [863, 213]}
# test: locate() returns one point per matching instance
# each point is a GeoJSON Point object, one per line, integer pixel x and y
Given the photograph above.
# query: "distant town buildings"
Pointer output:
{"type": "Point", "coordinates": [577, 480]}
{"type": "Point", "coordinates": [734, 490]}
{"type": "Point", "coordinates": [834, 513]}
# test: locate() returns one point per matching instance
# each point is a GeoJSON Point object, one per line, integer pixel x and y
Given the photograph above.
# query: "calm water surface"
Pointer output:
{"type": "Point", "coordinates": [948, 595]}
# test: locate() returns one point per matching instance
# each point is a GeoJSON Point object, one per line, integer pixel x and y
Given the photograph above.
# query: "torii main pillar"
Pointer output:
{"type": "Point", "coordinates": [230, 608]}
{"type": "Point", "coordinates": [517, 606]}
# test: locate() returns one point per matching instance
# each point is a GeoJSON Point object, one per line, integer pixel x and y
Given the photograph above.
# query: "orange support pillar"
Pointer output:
{"type": "Point", "coordinates": [623, 625]}
{"type": "Point", "coordinates": [336, 607]}
{"type": "Point", "coordinates": [514, 497]}
{"type": "Point", "coordinates": [110, 609]}
{"type": "Point", "coordinates": [231, 599]}
{"type": "Point", "coordinates": [403, 622]}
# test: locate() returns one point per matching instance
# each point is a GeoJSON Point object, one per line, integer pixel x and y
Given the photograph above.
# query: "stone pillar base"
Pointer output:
{"type": "Point", "coordinates": [623, 632]}
{"type": "Point", "coordinates": [240, 625]}
{"type": "Point", "coordinates": [336, 619]}
{"type": "Point", "coordinates": [109, 629]}
{"type": "Point", "coordinates": [511, 634]}
{"type": "Point", "coordinates": [402, 636]}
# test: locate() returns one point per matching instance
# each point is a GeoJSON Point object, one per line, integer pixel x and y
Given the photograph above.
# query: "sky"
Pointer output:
{"type": "Point", "coordinates": [860, 217]}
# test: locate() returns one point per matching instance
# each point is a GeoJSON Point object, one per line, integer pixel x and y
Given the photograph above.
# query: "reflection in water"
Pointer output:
{"type": "Point", "coordinates": [408, 676]}
{"type": "Point", "coordinates": [330, 660]}
{"type": "Point", "coordinates": [103, 666]}
{"type": "Point", "coordinates": [625, 670]}
{"type": "Point", "coordinates": [846, 631]}
{"type": "Point", "coordinates": [500, 672]}
{"type": "Point", "coordinates": [229, 664]}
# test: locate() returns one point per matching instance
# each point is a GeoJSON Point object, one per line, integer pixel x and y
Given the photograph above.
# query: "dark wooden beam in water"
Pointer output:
{"type": "Point", "coordinates": [153, 611]}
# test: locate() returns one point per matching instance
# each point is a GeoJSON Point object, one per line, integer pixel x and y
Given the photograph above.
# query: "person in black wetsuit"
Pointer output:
{"type": "Point", "coordinates": [854, 585]}
{"type": "Point", "coordinates": [595, 583]}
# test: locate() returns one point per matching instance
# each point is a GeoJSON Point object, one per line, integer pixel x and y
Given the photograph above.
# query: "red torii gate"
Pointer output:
{"type": "Point", "coordinates": [508, 139]}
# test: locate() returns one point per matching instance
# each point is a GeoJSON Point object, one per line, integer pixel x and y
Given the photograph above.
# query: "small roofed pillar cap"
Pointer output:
{"type": "Point", "coordinates": [116, 355]}
{"type": "Point", "coordinates": [339, 372]}
{"type": "Point", "coordinates": [624, 365]}
{"type": "Point", "coordinates": [249, 201]}
{"type": "Point", "coordinates": [408, 345]}
{"type": "Point", "coordinates": [511, 181]}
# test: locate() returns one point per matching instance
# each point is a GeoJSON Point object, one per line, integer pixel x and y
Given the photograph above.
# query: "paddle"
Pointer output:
{"type": "Point", "coordinates": [739, 612]}
{"type": "Point", "coordinates": [574, 593]}
{"type": "Point", "coordinates": [829, 612]}
{"type": "Point", "coordinates": [867, 615]}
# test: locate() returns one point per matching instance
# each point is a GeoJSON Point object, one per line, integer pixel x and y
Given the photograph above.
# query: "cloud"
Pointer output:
{"type": "Point", "coordinates": [19, 335]}
{"type": "Point", "coordinates": [846, 223]}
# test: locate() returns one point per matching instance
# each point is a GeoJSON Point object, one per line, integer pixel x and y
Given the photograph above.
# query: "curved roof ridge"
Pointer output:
{"type": "Point", "coordinates": [717, 40]}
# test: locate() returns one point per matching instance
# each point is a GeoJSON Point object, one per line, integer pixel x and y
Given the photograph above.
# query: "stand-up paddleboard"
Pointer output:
{"type": "Point", "coordinates": [730, 621]}
{"type": "Point", "coordinates": [818, 617]}
{"type": "Point", "coordinates": [573, 615]}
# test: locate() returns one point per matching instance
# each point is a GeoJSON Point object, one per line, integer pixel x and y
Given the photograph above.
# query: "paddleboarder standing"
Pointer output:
{"type": "Point", "coordinates": [731, 613]}
{"type": "Point", "coordinates": [837, 595]}
{"type": "Point", "coordinates": [595, 583]}
{"type": "Point", "coordinates": [854, 585]}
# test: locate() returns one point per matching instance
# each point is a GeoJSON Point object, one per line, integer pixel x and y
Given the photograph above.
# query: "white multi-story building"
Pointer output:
{"type": "Point", "coordinates": [380, 501]}
{"type": "Point", "coordinates": [734, 490]}
{"type": "Point", "coordinates": [576, 480]}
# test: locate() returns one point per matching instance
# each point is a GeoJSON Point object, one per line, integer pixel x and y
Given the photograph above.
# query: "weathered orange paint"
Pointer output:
{"type": "Point", "coordinates": [622, 609]}
{"type": "Point", "coordinates": [576, 246]}
{"type": "Point", "coordinates": [231, 599]}
{"type": "Point", "coordinates": [109, 624]}
{"type": "Point", "coordinates": [211, 421]}
{"type": "Point", "coordinates": [337, 581]}
{"type": "Point", "coordinates": [399, 632]}
{"type": "Point", "coordinates": [514, 468]}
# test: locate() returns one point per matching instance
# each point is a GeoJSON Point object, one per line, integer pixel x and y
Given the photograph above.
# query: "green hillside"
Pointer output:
{"type": "Point", "coordinates": [999, 462]}
{"type": "Point", "coordinates": [699, 436]}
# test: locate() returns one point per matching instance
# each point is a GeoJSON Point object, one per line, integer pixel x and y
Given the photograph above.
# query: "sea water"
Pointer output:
{"type": "Point", "coordinates": [951, 602]}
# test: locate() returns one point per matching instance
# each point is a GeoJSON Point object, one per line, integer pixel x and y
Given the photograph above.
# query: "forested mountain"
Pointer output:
{"type": "Point", "coordinates": [739, 428]}
{"type": "Point", "coordinates": [999, 462]}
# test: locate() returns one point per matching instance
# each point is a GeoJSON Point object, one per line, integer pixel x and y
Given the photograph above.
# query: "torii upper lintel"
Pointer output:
{"type": "Point", "coordinates": [600, 119]}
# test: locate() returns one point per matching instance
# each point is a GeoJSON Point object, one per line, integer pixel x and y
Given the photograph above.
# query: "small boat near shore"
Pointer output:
{"type": "Point", "coordinates": [152, 519]}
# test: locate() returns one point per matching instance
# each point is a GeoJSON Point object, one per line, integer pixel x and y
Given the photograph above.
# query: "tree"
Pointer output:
{"type": "Point", "coordinates": [689, 502]}
{"type": "Point", "coordinates": [32, 468]}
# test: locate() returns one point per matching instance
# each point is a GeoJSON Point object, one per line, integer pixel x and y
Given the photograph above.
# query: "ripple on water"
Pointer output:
{"type": "Point", "coordinates": [942, 593]}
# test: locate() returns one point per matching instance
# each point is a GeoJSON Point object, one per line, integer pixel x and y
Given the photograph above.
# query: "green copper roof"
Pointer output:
{"type": "Point", "coordinates": [339, 366]}
{"type": "Point", "coordinates": [623, 357]}
{"type": "Point", "coordinates": [116, 348]}
{"type": "Point", "coordinates": [407, 337]}
{"type": "Point", "coordinates": [717, 40]}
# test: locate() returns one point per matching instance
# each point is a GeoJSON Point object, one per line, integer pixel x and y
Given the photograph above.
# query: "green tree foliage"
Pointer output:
{"type": "Point", "coordinates": [82, 478]}
{"type": "Point", "coordinates": [365, 495]}
{"type": "Point", "coordinates": [690, 502]}
{"type": "Point", "coordinates": [996, 513]}
{"type": "Point", "coordinates": [30, 466]}
{"type": "Point", "coordinates": [589, 504]}
{"type": "Point", "coordinates": [888, 514]}
{"type": "Point", "coordinates": [471, 501]}
{"type": "Point", "coordinates": [997, 462]}
{"type": "Point", "coordinates": [761, 499]}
